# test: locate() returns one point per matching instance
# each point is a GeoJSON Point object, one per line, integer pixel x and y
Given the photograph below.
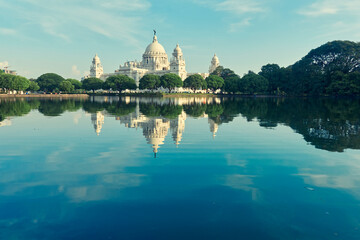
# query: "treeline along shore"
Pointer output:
{"type": "Point", "coordinates": [332, 69]}
{"type": "Point", "coordinates": [45, 95]}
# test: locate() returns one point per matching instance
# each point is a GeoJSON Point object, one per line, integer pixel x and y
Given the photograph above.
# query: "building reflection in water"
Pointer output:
{"type": "Point", "coordinates": [155, 129]}
{"type": "Point", "coordinates": [97, 120]}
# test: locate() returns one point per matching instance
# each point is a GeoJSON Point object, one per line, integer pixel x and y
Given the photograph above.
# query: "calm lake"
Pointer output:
{"type": "Point", "coordinates": [180, 168]}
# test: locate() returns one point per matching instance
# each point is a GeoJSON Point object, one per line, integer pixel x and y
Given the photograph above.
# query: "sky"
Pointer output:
{"type": "Point", "coordinates": [62, 36]}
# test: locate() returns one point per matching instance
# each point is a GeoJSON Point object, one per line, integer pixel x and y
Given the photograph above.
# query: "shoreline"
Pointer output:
{"type": "Point", "coordinates": [44, 95]}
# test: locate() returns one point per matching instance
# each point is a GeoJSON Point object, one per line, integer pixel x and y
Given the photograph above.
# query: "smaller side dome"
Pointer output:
{"type": "Point", "coordinates": [177, 49]}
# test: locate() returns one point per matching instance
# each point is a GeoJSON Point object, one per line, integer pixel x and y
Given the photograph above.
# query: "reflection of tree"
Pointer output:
{"type": "Point", "coordinates": [15, 108]}
{"type": "Point", "coordinates": [214, 110]}
{"type": "Point", "coordinates": [170, 111]}
{"type": "Point", "coordinates": [57, 107]}
{"type": "Point", "coordinates": [195, 110]}
{"type": "Point", "coordinates": [120, 108]}
{"type": "Point", "coordinates": [150, 110]}
{"type": "Point", "coordinates": [93, 107]}
{"type": "Point", "coordinates": [330, 124]}
{"type": "Point", "coordinates": [327, 123]}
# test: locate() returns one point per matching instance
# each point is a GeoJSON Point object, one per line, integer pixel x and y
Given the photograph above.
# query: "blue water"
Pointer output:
{"type": "Point", "coordinates": [193, 168]}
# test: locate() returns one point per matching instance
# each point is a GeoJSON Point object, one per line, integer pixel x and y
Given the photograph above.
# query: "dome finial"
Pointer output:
{"type": "Point", "coordinates": [155, 38]}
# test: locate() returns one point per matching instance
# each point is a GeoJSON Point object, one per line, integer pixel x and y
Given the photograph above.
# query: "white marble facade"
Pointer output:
{"type": "Point", "coordinates": [154, 61]}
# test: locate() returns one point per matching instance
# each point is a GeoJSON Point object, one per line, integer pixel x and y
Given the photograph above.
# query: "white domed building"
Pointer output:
{"type": "Point", "coordinates": [154, 61]}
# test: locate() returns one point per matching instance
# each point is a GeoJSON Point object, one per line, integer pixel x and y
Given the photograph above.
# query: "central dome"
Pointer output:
{"type": "Point", "coordinates": [155, 57]}
{"type": "Point", "coordinates": [155, 48]}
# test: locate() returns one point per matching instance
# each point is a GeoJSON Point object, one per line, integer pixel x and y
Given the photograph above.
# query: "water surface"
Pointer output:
{"type": "Point", "coordinates": [184, 168]}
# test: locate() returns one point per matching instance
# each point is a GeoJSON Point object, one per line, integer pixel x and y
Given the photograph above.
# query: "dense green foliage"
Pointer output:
{"type": "Point", "coordinates": [278, 78]}
{"type": "Point", "coordinates": [120, 83]}
{"type": "Point", "coordinates": [170, 81]}
{"type": "Point", "coordinates": [253, 83]}
{"type": "Point", "coordinates": [330, 69]}
{"type": "Point", "coordinates": [33, 86]}
{"type": "Point", "coordinates": [13, 82]}
{"type": "Point", "coordinates": [49, 82]}
{"type": "Point", "coordinates": [76, 83]}
{"type": "Point", "coordinates": [149, 81]}
{"type": "Point", "coordinates": [66, 86]}
{"type": "Point", "coordinates": [214, 82]}
{"type": "Point", "coordinates": [195, 82]}
{"type": "Point", "coordinates": [92, 84]}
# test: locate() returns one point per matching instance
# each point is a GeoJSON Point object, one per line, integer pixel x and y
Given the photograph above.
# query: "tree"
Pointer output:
{"type": "Point", "coordinates": [149, 81]}
{"type": "Point", "coordinates": [344, 84]}
{"type": "Point", "coordinates": [92, 84]}
{"type": "Point", "coordinates": [21, 83]}
{"type": "Point", "coordinates": [214, 82]}
{"type": "Point", "coordinates": [66, 86]}
{"type": "Point", "coordinates": [312, 75]}
{"type": "Point", "coordinates": [33, 86]}
{"type": "Point", "coordinates": [273, 73]}
{"type": "Point", "coordinates": [49, 81]}
{"type": "Point", "coordinates": [253, 83]}
{"type": "Point", "coordinates": [218, 71]}
{"type": "Point", "coordinates": [194, 82]}
{"type": "Point", "coordinates": [120, 83]}
{"type": "Point", "coordinates": [13, 82]}
{"type": "Point", "coordinates": [76, 83]}
{"type": "Point", "coordinates": [171, 81]}
{"type": "Point", "coordinates": [231, 84]}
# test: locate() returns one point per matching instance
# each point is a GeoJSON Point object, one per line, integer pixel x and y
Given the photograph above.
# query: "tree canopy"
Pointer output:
{"type": "Point", "coordinates": [214, 82]}
{"type": "Point", "coordinates": [120, 83]}
{"type": "Point", "coordinates": [66, 86]}
{"type": "Point", "coordinates": [13, 82]}
{"type": "Point", "coordinates": [33, 86]}
{"type": "Point", "coordinates": [253, 83]}
{"type": "Point", "coordinates": [76, 83]}
{"type": "Point", "coordinates": [49, 81]}
{"type": "Point", "coordinates": [195, 82]}
{"type": "Point", "coordinates": [92, 84]}
{"type": "Point", "coordinates": [231, 84]}
{"type": "Point", "coordinates": [149, 81]}
{"type": "Point", "coordinates": [171, 81]}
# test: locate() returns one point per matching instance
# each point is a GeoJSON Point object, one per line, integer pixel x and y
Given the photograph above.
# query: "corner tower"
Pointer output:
{"type": "Point", "coordinates": [214, 64]}
{"type": "Point", "coordinates": [96, 69]}
{"type": "Point", "coordinates": [177, 64]}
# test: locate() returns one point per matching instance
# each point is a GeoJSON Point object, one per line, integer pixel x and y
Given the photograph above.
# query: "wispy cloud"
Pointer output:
{"type": "Point", "coordinates": [243, 23]}
{"type": "Point", "coordinates": [342, 17]}
{"type": "Point", "coordinates": [239, 7]}
{"type": "Point", "coordinates": [115, 19]}
{"type": "Point", "coordinates": [7, 31]}
{"type": "Point", "coordinates": [331, 7]}
{"type": "Point", "coordinates": [241, 12]}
